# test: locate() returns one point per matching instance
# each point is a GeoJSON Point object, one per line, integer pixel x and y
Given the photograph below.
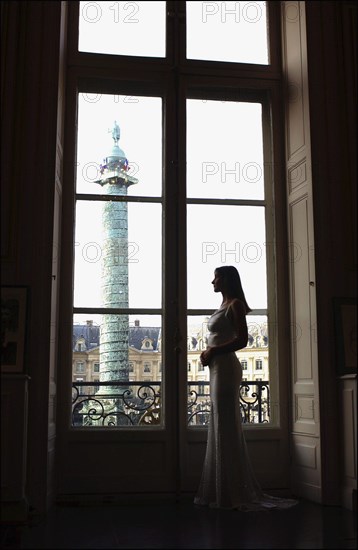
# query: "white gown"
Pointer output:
{"type": "Point", "coordinates": [227, 479]}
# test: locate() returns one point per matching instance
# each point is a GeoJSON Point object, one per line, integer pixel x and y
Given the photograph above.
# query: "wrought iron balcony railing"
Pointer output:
{"type": "Point", "coordinates": [125, 404]}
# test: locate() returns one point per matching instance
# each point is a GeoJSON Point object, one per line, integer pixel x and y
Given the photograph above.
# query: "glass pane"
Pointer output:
{"type": "Point", "coordinates": [122, 28]}
{"type": "Point", "coordinates": [226, 235]}
{"type": "Point", "coordinates": [139, 145]}
{"type": "Point", "coordinates": [198, 375]}
{"type": "Point", "coordinates": [118, 255]}
{"type": "Point", "coordinates": [116, 371]}
{"type": "Point", "coordinates": [145, 255]}
{"type": "Point", "coordinates": [224, 150]}
{"type": "Point", "coordinates": [255, 390]}
{"type": "Point", "coordinates": [227, 31]}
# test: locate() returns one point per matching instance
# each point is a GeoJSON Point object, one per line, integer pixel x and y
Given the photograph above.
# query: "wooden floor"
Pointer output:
{"type": "Point", "coordinates": [184, 525]}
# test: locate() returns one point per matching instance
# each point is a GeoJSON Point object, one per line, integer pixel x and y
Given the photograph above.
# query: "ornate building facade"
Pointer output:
{"type": "Point", "coordinates": [144, 354]}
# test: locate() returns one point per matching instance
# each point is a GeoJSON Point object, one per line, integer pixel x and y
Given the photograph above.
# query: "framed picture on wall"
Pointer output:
{"type": "Point", "coordinates": [13, 328]}
{"type": "Point", "coordinates": [345, 325]}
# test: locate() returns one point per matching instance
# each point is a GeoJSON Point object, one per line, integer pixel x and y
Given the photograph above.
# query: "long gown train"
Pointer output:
{"type": "Point", "coordinates": [227, 479]}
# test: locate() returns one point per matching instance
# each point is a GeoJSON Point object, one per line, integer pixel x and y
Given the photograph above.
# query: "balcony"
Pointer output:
{"type": "Point", "coordinates": [137, 404]}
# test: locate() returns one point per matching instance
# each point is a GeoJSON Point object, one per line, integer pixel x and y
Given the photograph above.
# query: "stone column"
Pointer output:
{"type": "Point", "coordinates": [114, 338]}
{"type": "Point", "coordinates": [115, 328]}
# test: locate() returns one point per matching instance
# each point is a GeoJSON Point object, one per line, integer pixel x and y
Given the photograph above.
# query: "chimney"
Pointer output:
{"type": "Point", "coordinates": [89, 323]}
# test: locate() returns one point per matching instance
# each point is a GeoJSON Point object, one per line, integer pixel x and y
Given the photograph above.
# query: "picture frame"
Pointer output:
{"type": "Point", "coordinates": [345, 326]}
{"type": "Point", "coordinates": [14, 302]}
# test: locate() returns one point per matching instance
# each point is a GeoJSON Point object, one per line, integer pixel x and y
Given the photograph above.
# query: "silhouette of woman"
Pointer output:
{"type": "Point", "coordinates": [227, 479]}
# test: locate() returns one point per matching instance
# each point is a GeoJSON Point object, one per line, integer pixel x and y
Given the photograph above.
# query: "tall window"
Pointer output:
{"type": "Point", "coordinates": [80, 367]}
{"type": "Point", "coordinates": [175, 154]}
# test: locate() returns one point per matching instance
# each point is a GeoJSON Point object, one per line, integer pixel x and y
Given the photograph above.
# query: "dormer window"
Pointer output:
{"type": "Point", "coordinates": [80, 344]}
{"type": "Point", "coordinates": [147, 344]}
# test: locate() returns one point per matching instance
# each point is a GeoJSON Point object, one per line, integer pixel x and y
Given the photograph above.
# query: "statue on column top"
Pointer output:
{"type": "Point", "coordinates": [116, 132]}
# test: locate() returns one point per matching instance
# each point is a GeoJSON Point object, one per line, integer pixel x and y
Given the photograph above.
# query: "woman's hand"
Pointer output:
{"type": "Point", "coordinates": [206, 356]}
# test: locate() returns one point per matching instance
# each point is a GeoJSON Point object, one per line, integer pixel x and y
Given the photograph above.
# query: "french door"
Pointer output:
{"type": "Point", "coordinates": [172, 165]}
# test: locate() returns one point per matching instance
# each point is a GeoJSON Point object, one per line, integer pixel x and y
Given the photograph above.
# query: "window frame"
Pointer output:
{"type": "Point", "coordinates": [88, 71]}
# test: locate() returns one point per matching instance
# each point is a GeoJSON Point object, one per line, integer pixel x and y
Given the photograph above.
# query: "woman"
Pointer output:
{"type": "Point", "coordinates": [227, 480]}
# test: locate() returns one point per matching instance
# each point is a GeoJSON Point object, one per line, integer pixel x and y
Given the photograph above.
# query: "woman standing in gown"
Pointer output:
{"type": "Point", "coordinates": [227, 479]}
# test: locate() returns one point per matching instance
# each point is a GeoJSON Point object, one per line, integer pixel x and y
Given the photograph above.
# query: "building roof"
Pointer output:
{"type": "Point", "coordinates": [89, 332]}
{"type": "Point", "coordinates": [91, 336]}
{"type": "Point", "coordinates": [138, 334]}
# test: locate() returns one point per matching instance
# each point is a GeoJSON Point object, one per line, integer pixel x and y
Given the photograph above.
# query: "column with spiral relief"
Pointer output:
{"type": "Point", "coordinates": [114, 344]}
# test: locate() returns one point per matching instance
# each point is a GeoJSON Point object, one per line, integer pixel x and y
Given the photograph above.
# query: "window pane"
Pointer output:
{"type": "Point", "coordinates": [140, 143]}
{"type": "Point", "coordinates": [226, 235]}
{"type": "Point", "coordinates": [125, 393]}
{"type": "Point", "coordinates": [224, 150]}
{"type": "Point", "coordinates": [227, 31]}
{"type": "Point", "coordinates": [198, 375]}
{"type": "Point", "coordinates": [116, 266]}
{"type": "Point", "coordinates": [145, 255]}
{"type": "Point", "coordinates": [254, 398]}
{"type": "Point", "coordinates": [122, 28]}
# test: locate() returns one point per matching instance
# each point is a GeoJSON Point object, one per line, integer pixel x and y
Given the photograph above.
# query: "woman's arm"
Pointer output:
{"type": "Point", "coordinates": [238, 318]}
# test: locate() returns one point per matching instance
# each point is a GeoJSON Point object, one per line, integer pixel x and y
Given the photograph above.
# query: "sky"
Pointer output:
{"type": "Point", "coordinates": [224, 157]}
{"type": "Point", "coordinates": [217, 31]}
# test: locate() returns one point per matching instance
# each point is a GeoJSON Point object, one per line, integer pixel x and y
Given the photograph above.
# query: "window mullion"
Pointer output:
{"type": "Point", "coordinates": [117, 198]}
{"type": "Point", "coordinates": [237, 202]}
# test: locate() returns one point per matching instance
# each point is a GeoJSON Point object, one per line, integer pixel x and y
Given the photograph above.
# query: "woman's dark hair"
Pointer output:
{"type": "Point", "coordinates": [233, 283]}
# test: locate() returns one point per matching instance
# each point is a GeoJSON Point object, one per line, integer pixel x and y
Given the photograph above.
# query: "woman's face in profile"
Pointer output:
{"type": "Point", "coordinates": [217, 282]}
